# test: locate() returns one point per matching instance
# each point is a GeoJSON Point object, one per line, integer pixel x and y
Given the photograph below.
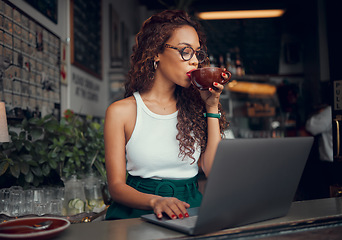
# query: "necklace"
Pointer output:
{"type": "Point", "coordinates": [158, 105]}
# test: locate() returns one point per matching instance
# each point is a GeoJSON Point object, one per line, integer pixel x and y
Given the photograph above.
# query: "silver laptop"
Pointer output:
{"type": "Point", "coordinates": [251, 180]}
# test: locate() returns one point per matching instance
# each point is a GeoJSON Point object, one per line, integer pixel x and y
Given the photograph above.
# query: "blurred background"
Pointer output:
{"type": "Point", "coordinates": [73, 55]}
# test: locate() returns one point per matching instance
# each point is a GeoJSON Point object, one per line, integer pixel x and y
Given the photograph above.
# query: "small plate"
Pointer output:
{"type": "Point", "coordinates": [58, 225]}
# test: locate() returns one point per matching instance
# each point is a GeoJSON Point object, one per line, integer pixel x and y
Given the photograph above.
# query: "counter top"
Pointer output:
{"type": "Point", "coordinates": [312, 219]}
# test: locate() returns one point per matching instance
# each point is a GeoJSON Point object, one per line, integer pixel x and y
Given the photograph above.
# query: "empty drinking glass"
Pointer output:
{"type": "Point", "coordinates": [16, 202]}
{"type": "Point", "coordinates": [56, 206]}
{"type": "Point", "coordinates": [4, 201]}
{"type": "Point", "coordinates": [28, 201]}
{"type": "Point", "coordinates": [39, 201]}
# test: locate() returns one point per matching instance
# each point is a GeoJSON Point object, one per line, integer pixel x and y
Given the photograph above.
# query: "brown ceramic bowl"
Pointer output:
{"type": "Point", "coordinates": [203, 78]}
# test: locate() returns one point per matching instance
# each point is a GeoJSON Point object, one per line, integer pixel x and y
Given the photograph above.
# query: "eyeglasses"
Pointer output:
{"type": "Point", "coordinates": [188, 52]}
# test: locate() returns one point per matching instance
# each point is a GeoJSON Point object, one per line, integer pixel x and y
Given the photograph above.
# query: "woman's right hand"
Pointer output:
{"type": "Point", "coordinates": [171, 206]}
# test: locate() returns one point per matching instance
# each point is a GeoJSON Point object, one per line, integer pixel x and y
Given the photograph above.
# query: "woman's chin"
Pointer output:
{"type": "Point", "coordinates": [186, 85]}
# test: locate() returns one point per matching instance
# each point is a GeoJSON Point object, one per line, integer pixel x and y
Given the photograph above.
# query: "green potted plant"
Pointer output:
{"type": "Point", "coordinates": [44, 151]}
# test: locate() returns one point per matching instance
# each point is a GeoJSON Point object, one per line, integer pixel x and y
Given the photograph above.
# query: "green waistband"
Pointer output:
{"type": "Point", "coordinates": [164, 187]}
{"type": "Point", "coordinates": [179, 182]}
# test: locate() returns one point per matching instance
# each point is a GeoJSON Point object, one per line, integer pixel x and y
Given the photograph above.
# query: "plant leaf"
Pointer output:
{"type": "Point", "coordinates": [41, 160]}
{"type": "Point", "coordinates": [46, 169]}
{"type": "Point", "coordinates": [37, 171]}
{"type": "Point", "coordinates": [33, 121]}
{"type": "Point", "coordinates": [53, 154]}
{"type": "Point", "coordinates": [53, 164]}
{"type": "Point", "coordinates": [18, 144]}
{"type": "Point", "coordinates": [36, 182]}
{"type": "Point", "coordinates": [24, 168]}
{"type": "Point", "coordinates": [29, 177]}
{"type": "Point", "coordinates": [3, 167]}
{"type": "Point", "coordinates": [26, 157]}
{"type": "Point", "coordinates": [22, 135]}
{"type": "Point", "coordinates": [68, 154]}
{"type": "Point", "coordinates": [28, 145]}
{"type": "Point", "coordinates": [101, 170]}
{"type": "Point", "coordinates": [13, 134]}
{"type": "Point", "coordinates": [15, 170]}
{"type": "Point", "coordinates": [33, 163]}
{"type": "Point", "coordinates": [51, 126]}
{"type": "Point", "coordinates": [78, 162]}
{"type": "Point", "coordinates": [36, 133]}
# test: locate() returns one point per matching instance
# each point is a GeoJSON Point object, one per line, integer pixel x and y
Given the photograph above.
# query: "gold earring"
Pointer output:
{"type": "Point", "coordinates": [155, 65]}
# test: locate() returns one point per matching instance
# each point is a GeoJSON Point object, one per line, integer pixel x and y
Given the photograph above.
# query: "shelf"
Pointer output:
{"type": "Point", "coordinates": [264, 77]}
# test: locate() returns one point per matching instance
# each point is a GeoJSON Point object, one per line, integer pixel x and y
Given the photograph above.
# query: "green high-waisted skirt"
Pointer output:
{"type": "Point", "coordinates": [184, 190]}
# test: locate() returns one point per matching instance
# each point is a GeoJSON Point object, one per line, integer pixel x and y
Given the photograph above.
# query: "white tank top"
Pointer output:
{"type": "Point", "coordinates": [152, 151]}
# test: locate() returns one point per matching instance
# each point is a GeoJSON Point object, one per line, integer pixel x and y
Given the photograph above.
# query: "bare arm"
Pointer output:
{"type": "Point", "coordinates": [214, 137]}
{"type": "Point", "coordinates": [211, 98]}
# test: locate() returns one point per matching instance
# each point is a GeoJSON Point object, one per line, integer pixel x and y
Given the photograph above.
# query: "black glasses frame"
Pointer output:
{"type": "Point", "coordinates": [196, 52]}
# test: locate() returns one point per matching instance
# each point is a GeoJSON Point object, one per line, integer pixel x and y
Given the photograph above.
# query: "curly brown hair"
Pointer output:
{"type": "Point", "coordinates": [150, 41]}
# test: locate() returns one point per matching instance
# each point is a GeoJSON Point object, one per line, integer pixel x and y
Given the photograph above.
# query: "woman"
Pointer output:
{"type": "Point", "coordinates": [159, 126]}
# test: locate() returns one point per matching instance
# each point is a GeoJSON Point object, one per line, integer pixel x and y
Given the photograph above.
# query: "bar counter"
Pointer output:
{"type": "Point", "coordinates": [314, 219]}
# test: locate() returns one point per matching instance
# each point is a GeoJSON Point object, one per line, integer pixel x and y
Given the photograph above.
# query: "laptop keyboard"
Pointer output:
{"type": "Point", "coordinates": [188, 222]}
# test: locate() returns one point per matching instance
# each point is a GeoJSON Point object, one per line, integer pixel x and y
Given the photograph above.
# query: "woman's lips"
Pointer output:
{"type": "Point", "coordinates": [189, 73]}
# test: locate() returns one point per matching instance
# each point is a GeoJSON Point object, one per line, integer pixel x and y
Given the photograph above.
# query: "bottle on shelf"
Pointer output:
{"type": "Point", "coordinates": [239, 67]}
{"type": "Point", "coordinates": [221, 65]}
{"type": "Point", "coordinates": [230, 66]}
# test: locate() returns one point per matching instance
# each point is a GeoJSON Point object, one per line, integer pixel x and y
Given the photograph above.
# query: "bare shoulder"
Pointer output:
{"type": "Point", "coordinates": [122, 109]}
{"type": "Point", "coordinates": [120, 118]}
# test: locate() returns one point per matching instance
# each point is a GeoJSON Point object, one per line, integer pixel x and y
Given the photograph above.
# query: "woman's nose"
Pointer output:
{"type": "Point", "coordinates": [194, 60]}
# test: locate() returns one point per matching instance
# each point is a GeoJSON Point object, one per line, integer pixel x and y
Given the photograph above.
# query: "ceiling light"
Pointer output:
{"type": "Point", "coordinates": [270, 13]}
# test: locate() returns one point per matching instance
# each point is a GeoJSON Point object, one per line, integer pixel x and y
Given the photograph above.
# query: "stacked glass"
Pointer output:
{"type": "Point", "coordinates": [16, 201]}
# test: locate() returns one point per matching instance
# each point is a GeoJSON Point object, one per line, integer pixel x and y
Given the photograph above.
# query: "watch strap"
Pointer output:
{"type": "Point", "coordinates": [212, 115]}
